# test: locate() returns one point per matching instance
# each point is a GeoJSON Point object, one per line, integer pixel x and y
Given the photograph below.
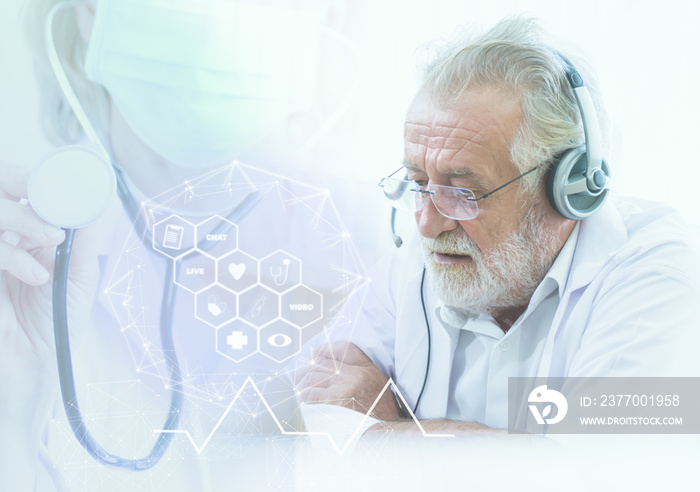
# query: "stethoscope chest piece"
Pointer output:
{"type": "Point", "coordinates": [72, 186]}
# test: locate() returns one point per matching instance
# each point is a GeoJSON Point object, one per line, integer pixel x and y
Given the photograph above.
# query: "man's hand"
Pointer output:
{"type": "Point", "coordinates": [341, 374]}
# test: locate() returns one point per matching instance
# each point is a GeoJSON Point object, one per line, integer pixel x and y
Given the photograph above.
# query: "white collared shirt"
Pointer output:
{"type": "Point", "coordinates": [485, 357]}
{"type": "Point", "coordinates": [618, 301]}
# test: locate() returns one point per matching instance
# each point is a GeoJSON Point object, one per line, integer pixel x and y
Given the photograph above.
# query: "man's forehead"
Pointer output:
{"type": "Point", "coordinates": [480, 126]}
{"type": "Point", "coordinates": [455, 173]}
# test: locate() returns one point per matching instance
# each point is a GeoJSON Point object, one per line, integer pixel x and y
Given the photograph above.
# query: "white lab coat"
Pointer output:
{"type": "Point", "coordinates": [627, 309]}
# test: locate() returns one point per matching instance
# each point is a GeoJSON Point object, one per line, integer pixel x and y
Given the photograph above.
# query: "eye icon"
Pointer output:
{"type": "Point", "coordinates": [279, 340]}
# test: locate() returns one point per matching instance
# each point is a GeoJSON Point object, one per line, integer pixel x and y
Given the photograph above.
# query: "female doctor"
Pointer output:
{"type": "Point", "coordinates": [163, 121]}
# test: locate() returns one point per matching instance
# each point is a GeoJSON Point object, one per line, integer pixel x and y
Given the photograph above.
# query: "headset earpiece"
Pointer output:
{"type": "Point", "coordinates": [578, 182]}
{"type": "Point", "coordinates": [562, 177]}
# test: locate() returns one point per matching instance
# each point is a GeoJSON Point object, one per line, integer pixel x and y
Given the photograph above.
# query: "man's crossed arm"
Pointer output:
{"type": "Point", "coordinates": [341, 374]}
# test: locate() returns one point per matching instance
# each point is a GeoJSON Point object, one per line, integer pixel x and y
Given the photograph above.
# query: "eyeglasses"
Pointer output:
{"type": "Point", "coordinates": [452, 202]}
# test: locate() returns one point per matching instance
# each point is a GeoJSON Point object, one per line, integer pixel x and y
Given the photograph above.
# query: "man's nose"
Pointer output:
{"type": "Point", "coordinates": [431, 223]}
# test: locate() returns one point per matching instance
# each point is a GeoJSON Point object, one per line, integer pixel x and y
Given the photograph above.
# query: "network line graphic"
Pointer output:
{"type": "Point", "coordinates": [249, 292]}
{"type": "Point", "coordinates": [340, 448]}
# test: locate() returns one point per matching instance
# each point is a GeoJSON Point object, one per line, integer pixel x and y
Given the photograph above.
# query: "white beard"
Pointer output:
{"type": "Point", "coordinates": [504, 277]}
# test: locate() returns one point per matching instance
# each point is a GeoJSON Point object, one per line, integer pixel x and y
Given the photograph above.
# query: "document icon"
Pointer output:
{"type": "Point", "coordinates": [173, 236]}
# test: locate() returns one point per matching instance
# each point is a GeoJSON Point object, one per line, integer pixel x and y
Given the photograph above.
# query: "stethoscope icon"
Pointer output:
{"type": "Point", "coordinates": [278, 275]}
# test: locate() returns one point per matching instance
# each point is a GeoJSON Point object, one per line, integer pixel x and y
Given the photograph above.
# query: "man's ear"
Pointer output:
{"type": "Point", "coordinates": [85, 18]}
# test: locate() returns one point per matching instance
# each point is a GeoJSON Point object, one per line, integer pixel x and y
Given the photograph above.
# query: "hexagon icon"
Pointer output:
{"type": "Point", "coordinates": [217, 236]}
{"type": "Point", "coordinates": [279, 340]}
{"type": "Point", "coordinates": [173, 236]}
{"type": "Point", "coordinates": [258, 305]}
{"type": "Point", "coordinates": [237, 271]}
{"type": "Point", "coordinates": [215, 306]}
{"type": "Point", "coordinates": [237, 340]}
{"type": "Point", "coordinates": [195, 272]}
{"type": "Point", "coordinates": [280, 271]}
{"type": "Point", "coordinates": [302, 306]}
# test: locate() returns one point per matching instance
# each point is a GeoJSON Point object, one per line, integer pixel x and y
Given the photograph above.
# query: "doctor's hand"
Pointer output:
{"type": "Point", "coordinates": [28, 382]}
{"type": "Point", "coordinates": [341, 374]}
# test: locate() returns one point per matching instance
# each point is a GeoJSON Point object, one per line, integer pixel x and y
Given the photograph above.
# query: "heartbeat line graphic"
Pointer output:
{"type": "Point", "coordinates": [340, 450]}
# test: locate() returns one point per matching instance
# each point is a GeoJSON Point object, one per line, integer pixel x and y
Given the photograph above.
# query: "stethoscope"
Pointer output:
{"type": "Point", "coordinates": [279, 275]}
{"type": "Point", "coordinates": [56, 190]}
{"type": "Point", "coordinates": [74, 171]}
{"type": "Point", "coordinates": [63, 353]}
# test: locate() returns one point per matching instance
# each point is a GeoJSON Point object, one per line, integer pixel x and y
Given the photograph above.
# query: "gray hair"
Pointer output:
{"type": "Point", "coordinates": [59, 123]}
{"type": "Point", "coordinates": [514, 57]}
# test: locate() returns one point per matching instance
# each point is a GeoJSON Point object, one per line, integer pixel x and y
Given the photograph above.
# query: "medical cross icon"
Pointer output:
{"type": "Point", "coordinates": [237, 340]}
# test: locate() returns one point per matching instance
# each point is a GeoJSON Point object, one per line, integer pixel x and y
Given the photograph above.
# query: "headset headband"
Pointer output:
{"type": "Point", "coordinates": [595, 178]}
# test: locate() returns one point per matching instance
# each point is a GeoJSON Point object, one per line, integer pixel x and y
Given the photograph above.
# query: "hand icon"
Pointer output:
{"type": "Point", "coordinates": [215, 308]}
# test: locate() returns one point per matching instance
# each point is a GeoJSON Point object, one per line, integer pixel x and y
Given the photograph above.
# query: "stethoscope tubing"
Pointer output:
{"type": "Point", "coordinates": [62, 339]}
{"type": "Point", "coordinates": [65, 367]}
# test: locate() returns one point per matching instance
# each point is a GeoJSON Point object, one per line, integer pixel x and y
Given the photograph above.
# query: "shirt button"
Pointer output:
{"type": "Point", "coordinates": [505, 346]}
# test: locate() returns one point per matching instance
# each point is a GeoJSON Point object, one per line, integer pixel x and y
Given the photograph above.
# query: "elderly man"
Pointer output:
{"type": "Point", "coordinates": [515, 286]}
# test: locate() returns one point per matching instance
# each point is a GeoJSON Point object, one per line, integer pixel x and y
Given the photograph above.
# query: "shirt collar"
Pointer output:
{"type": "Point", "coordinates": [559, 272]}
{"type": "Point", "coordinates": [465, 319]}
{"type": "Point", "coordinates": [555, 280]}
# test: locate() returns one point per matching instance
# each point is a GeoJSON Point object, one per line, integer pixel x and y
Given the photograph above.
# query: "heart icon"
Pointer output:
{"type": "Point", "coordinates": [236, 270]}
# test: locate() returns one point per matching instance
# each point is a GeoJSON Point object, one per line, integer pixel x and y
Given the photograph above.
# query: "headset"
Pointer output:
{"type": "Point", "coordinates": [577, 182]}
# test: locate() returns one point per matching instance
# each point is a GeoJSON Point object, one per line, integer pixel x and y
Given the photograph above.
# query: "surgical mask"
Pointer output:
{"type": "Point", "coordinates": [201, 82]}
